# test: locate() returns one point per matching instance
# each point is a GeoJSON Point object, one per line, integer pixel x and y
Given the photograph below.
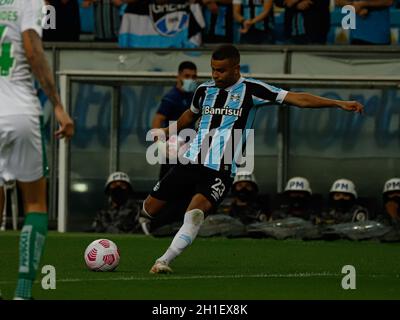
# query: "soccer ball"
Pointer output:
{"type": "Point", "coordinates": [102, 255]}
{"type": "Point", "coordinates": [174, 148]}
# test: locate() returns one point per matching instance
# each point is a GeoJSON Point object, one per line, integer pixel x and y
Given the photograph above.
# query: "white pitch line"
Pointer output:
{"type": "Point", "coordinates": [199, 277]}
{"type": "Point", "coordinates": [168, 277]}
{"type": "Point", "coordinates": [233, 276]}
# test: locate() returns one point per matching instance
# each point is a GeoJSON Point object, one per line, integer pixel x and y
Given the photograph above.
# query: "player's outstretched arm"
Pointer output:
{"type": "Point", "coordinates": [37, 60]}
{"type": "Point", "coordinates": [158, 121]}
{"type": "Point", "coordinates": [306, 100]}
{"type": "Point", "coordinates": [184, 121]}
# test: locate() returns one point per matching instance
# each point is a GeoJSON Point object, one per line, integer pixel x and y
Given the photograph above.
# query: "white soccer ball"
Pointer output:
{"type": "Point", "coordinates": [102, 255]}
{"type": "Point", "coordinates": [176, 145]}
{"type": "Point", "coordinates": [174, 148]}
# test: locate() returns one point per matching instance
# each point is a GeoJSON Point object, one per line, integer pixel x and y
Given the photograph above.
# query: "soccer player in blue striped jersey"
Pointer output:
{"type": "Point", "coordinates": [224, 105]}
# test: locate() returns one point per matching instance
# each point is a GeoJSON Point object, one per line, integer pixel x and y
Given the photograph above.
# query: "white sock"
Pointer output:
{"type": "Point", "coordinates": [185, 236]}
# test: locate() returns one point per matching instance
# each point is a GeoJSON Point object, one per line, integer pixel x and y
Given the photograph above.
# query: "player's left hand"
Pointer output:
{"type": "Point", "coordinates": [67, 127]}
{"type": "Point", "coordinates": [354, 106]}
{"type": "Point", "coordinates": [246, 26]}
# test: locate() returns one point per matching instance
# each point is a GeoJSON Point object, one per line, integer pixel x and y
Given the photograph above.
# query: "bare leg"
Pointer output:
{"type": "Point", "coordinates": [34, 195]}
{"type": "Point", "coordinates": [153, 206]}
{"type": "Point", "coordinates": [200, 202]}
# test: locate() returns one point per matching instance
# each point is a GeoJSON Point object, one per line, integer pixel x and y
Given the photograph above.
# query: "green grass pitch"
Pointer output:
{"type": "Point", "coordinates": [213, 268]}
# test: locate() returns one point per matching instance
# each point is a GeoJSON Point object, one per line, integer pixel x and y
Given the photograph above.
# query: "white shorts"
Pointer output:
{"type": "Point", "coordinates": [22, 148]}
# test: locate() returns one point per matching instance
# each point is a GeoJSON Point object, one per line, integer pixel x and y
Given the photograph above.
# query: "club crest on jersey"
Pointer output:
{"type": "Point", "coordinates": [235, 97]}
{"type": "Point", "coordinates": [222, 111]}
{"type": "Point", "coordinates": [169, 19]}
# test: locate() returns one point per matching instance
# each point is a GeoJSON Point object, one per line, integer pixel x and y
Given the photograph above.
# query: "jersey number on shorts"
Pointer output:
{"type": "Point", "coordinates": [6, 59]}
{"type": "Point", "coordinates": [218, 189]}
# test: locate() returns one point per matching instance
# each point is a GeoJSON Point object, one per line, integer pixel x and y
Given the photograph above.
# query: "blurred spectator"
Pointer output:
{"type": "Point", "coordinates": [68, 25]}
{"type": "Point", "coordinates": [391, 203]}
{"type": "Point", "coordinates": [153, 24]}
{"type": "Point", "coordinates": [107, 18]}
{"type": "Point", "coordinates": [296, 200]}
{"type": "Point", "coordinates": [306, 21]}
{"type": "Point", "coordinates": [372, 21]}
{"type": "Point", "coordinates": [342, 205]}
{"type": "Point", "coordinates": [87, 20]}
{"type": "Point", "coordinates": [218, 16]}
{"type": "Point", "coordinates": [256, 18]}
{"type": "Point", "coordinates": [176, 101]}
{"type": "Point", "coordinates": [247, 205]}
{"type": "Point", "coordinates": [122, 210]}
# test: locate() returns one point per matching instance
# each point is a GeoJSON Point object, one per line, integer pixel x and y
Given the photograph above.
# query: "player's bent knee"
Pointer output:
{"type": "Point", "coordinates": [200, 202]}
{"type": "Point", "coordinates": [194, 217]}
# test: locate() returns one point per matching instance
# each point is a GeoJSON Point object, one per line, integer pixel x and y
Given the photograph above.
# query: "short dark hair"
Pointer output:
{"type": "Point", "coordinates": [227, 51]}
{"type": "Point", "coordinates": [186, 65]}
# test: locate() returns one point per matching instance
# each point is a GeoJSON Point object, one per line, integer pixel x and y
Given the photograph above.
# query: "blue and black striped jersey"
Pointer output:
{"type": "Point", "coordinates": [224, 112]}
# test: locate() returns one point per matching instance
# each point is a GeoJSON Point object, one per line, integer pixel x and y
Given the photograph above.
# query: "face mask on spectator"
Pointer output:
{"type": "Point", "coordinates": [298, 203]}
{"type": "Point", "coordinates": [396, 200]}
{"type": "Point", "coordinates": [119, 195]}
{"type": "Point", "coordinates": [342, 205]}
{"type": "Point", "coordinates": [189, 85]}
{"type": "Point", "coordinates": [245, 194]}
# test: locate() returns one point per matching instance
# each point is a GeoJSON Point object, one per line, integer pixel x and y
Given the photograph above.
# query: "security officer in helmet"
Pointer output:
{"type": "Point", "coordinates": [342, 206]}
{"type": "Point", "coordinates": [295, 200]}
{"type": "Point", "coordinates": [246, 205]}
{"type": "Point", "coordinates": [391, 202]}
{"type": "Point", "coordinates": [119, 189]}
{"type": "Point", "coordinates": [121, 213]}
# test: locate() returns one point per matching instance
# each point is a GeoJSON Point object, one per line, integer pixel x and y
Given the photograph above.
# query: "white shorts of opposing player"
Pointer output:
{"type": "Point", "coordinates": [22, 150]}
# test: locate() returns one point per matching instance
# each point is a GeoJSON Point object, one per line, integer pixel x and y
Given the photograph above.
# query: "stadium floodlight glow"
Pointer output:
{"type": "Point", "coordinates": [80, 187]}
